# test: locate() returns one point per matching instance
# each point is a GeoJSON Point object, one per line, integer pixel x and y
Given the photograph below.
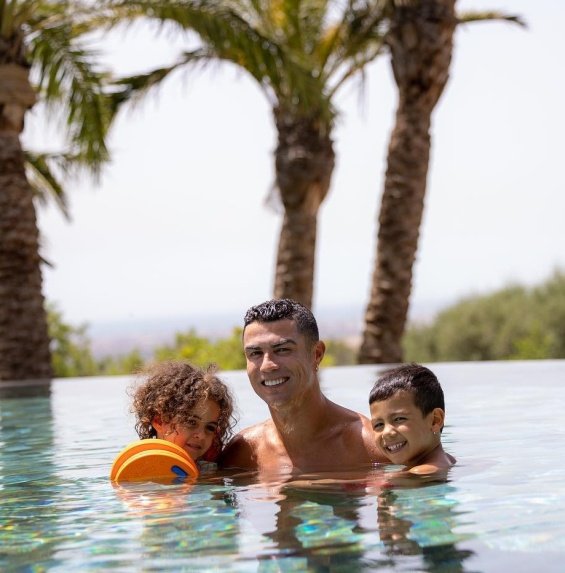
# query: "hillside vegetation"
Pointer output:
{"type": "Point", "coordinates": [515, 323]}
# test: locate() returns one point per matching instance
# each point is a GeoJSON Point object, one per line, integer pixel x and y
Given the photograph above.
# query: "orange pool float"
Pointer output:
{"type": "Point", "coordinates": [153, 459]}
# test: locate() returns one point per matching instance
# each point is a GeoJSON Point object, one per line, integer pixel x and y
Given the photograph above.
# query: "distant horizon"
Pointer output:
{"type": "Point", "coordinates": [145, 333]}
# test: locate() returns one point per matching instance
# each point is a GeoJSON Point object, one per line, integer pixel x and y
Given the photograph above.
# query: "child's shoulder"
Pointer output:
{"type": "Point", "coordinates": [437, 461]}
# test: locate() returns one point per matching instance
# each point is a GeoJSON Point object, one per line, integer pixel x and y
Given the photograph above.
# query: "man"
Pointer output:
{"type": "Point", "coordinates": [307, 431]}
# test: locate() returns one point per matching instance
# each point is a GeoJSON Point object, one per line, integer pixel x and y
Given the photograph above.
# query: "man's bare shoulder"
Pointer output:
{"type": "Point", "coordinates": [361, 427]}
{"type": "Point", "coordinates": [345, 414]}
{"type": "Point", "coordinates": [241, 451]}
{"type": "Point", "coordinates": [357, 434]}
{"type": "Point", "coordinates": [352, 422]}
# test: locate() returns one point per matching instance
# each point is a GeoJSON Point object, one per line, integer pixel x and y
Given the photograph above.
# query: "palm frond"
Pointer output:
{"type": "Point", "coordinates": [234, 37]}
{"type": "Point", "coordinates": [45, 183]}
{"type": "Point", "coordinates": [312, 19]}
{"type": "Point", "coordinates": [130, 89]}
{"type": "Point", "coordinates": [482, 16]}
{"type": "Point", "coordinates": [351, 44]}
{"type": "Point", "coordinates": [69, 79]}
{"type": "Point", "coordinates": [356, 65]}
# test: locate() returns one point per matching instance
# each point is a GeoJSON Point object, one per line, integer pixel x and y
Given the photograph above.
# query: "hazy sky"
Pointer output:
{"type": "Point", "coordinates": [179, 226]}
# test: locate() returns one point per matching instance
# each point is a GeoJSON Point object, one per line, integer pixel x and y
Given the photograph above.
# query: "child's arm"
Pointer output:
{"type": "Point", "coordinates": [434, 469]}
{"type": "Point", "coordinates": [414, 477]}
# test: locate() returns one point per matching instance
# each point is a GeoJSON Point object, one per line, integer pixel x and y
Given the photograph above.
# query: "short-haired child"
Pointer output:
{"type": "Point", "coordinates": [185, 405]}
{"type": "Point", "coordinates": [407, 413]}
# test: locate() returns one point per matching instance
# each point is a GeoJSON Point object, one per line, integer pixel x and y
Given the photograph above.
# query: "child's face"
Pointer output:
{"type": "Point", "coordinates": [196, 434]}
{"type": "Point", "coordinates": [401, 431]}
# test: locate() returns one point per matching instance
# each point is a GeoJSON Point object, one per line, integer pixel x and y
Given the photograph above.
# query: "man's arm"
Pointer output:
{"type": "Point", "coordinates": [239, 453]}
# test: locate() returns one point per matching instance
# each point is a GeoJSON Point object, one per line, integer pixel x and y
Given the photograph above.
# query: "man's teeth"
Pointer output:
{"type": "Point", "coordinates": [395, 447]}
{"type": "Point", "coordinates": [274, 382]}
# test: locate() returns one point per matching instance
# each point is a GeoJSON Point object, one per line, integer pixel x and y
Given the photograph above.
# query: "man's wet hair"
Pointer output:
{"type": "Point", "coordinates": [285, 309]}
{"type": "Point", "coordinates": [420, 381]}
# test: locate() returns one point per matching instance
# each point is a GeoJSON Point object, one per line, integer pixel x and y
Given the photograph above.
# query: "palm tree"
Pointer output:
{"type": "Point", "coordinates": [420, 38]}
{"type": "Point", "coordinates": [40, 38]}
{"type": "Point", "coordinates": [300, 53]}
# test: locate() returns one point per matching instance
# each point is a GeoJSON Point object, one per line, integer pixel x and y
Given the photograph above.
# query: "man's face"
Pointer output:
{"type": "Point", "coordinates": [281, 365]}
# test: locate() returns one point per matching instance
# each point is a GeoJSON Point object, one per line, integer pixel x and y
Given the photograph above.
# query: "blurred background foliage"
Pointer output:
{"type": "Point", "coordinates": [514, 323]}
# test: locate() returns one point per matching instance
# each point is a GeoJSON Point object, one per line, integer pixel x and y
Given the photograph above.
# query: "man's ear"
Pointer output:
{"type": "Point", "coordinates": [319, 351]}
{"type": "Point", "coordinates": [438, 419]}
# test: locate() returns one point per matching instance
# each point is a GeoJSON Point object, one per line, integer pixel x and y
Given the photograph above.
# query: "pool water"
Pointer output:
{"type": "Point", "coordinates": [501, 510]}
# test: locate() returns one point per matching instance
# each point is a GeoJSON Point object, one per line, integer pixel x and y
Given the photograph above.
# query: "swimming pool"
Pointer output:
{"type": "Point", "coordinates": [502, 510]}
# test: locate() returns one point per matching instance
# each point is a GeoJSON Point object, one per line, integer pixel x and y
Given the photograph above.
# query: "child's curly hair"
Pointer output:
{"type": "Point", "coordinates": [171, 390]}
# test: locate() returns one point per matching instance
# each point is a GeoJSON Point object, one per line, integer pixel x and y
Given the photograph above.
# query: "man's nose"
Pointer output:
{"type": "Point", "coordinates": [268, 364]}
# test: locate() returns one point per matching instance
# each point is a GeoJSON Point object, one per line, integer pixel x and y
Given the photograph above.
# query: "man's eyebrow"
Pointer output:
{"type": "Point", "coordinates": [280, 342]}
{"type": "Point", "coordinates": [283, 341]}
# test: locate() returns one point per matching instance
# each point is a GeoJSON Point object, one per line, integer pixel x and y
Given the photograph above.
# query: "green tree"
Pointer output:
{"type": "Point", "coordinates": [186, 346]}
{"type": "Point", "coordinates": [338, 353]}
{"type": "Point", "coordinates": [420, 36]}
{"type": "Point", "coordinates": [513, 323]}
{"type": "Point", "coordinates": [549, 298]}
{"type": "Point", "coordinates": [70, 347]}
{"type": "Point", "coordinates": [129, 363]}
{"type": "Point", "coordinates": [227, 353]}
{"type": "Point", "coordinates": [300, 52]}
{"type": "Point", "coordinates": [71, 352]}
{"type": "Point", "coordinates": [40, 39]}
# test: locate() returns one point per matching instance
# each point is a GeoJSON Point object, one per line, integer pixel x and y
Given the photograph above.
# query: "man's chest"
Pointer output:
{"type": "Point", "coordinates": [275, 454]}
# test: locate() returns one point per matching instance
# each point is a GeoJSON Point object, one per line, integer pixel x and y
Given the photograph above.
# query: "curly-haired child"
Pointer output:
{"type": "Point", "coordinates": [186, 405]}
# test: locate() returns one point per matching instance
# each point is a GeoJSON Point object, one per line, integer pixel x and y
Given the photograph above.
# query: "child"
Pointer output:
{"type": "Point", "coordinates": [185, 405]}
{"type": "Point", "coordinates": [408, 413]}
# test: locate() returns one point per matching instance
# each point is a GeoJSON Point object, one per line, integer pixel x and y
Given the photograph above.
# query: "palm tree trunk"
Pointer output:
{"type": "Point", "coordinates": [304, 163]}
{"type": "Point", "coordinates": [24, 340]}
{"type": "Point", "coordinates": [421, 42]}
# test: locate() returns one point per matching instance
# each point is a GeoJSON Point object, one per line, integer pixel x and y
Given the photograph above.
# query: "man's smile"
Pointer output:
{"type": "Point", "coordinates": [275, 381]}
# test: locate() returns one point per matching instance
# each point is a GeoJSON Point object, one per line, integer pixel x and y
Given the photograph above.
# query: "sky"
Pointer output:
{"type": "Point", "coordinates": [178, 227]}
